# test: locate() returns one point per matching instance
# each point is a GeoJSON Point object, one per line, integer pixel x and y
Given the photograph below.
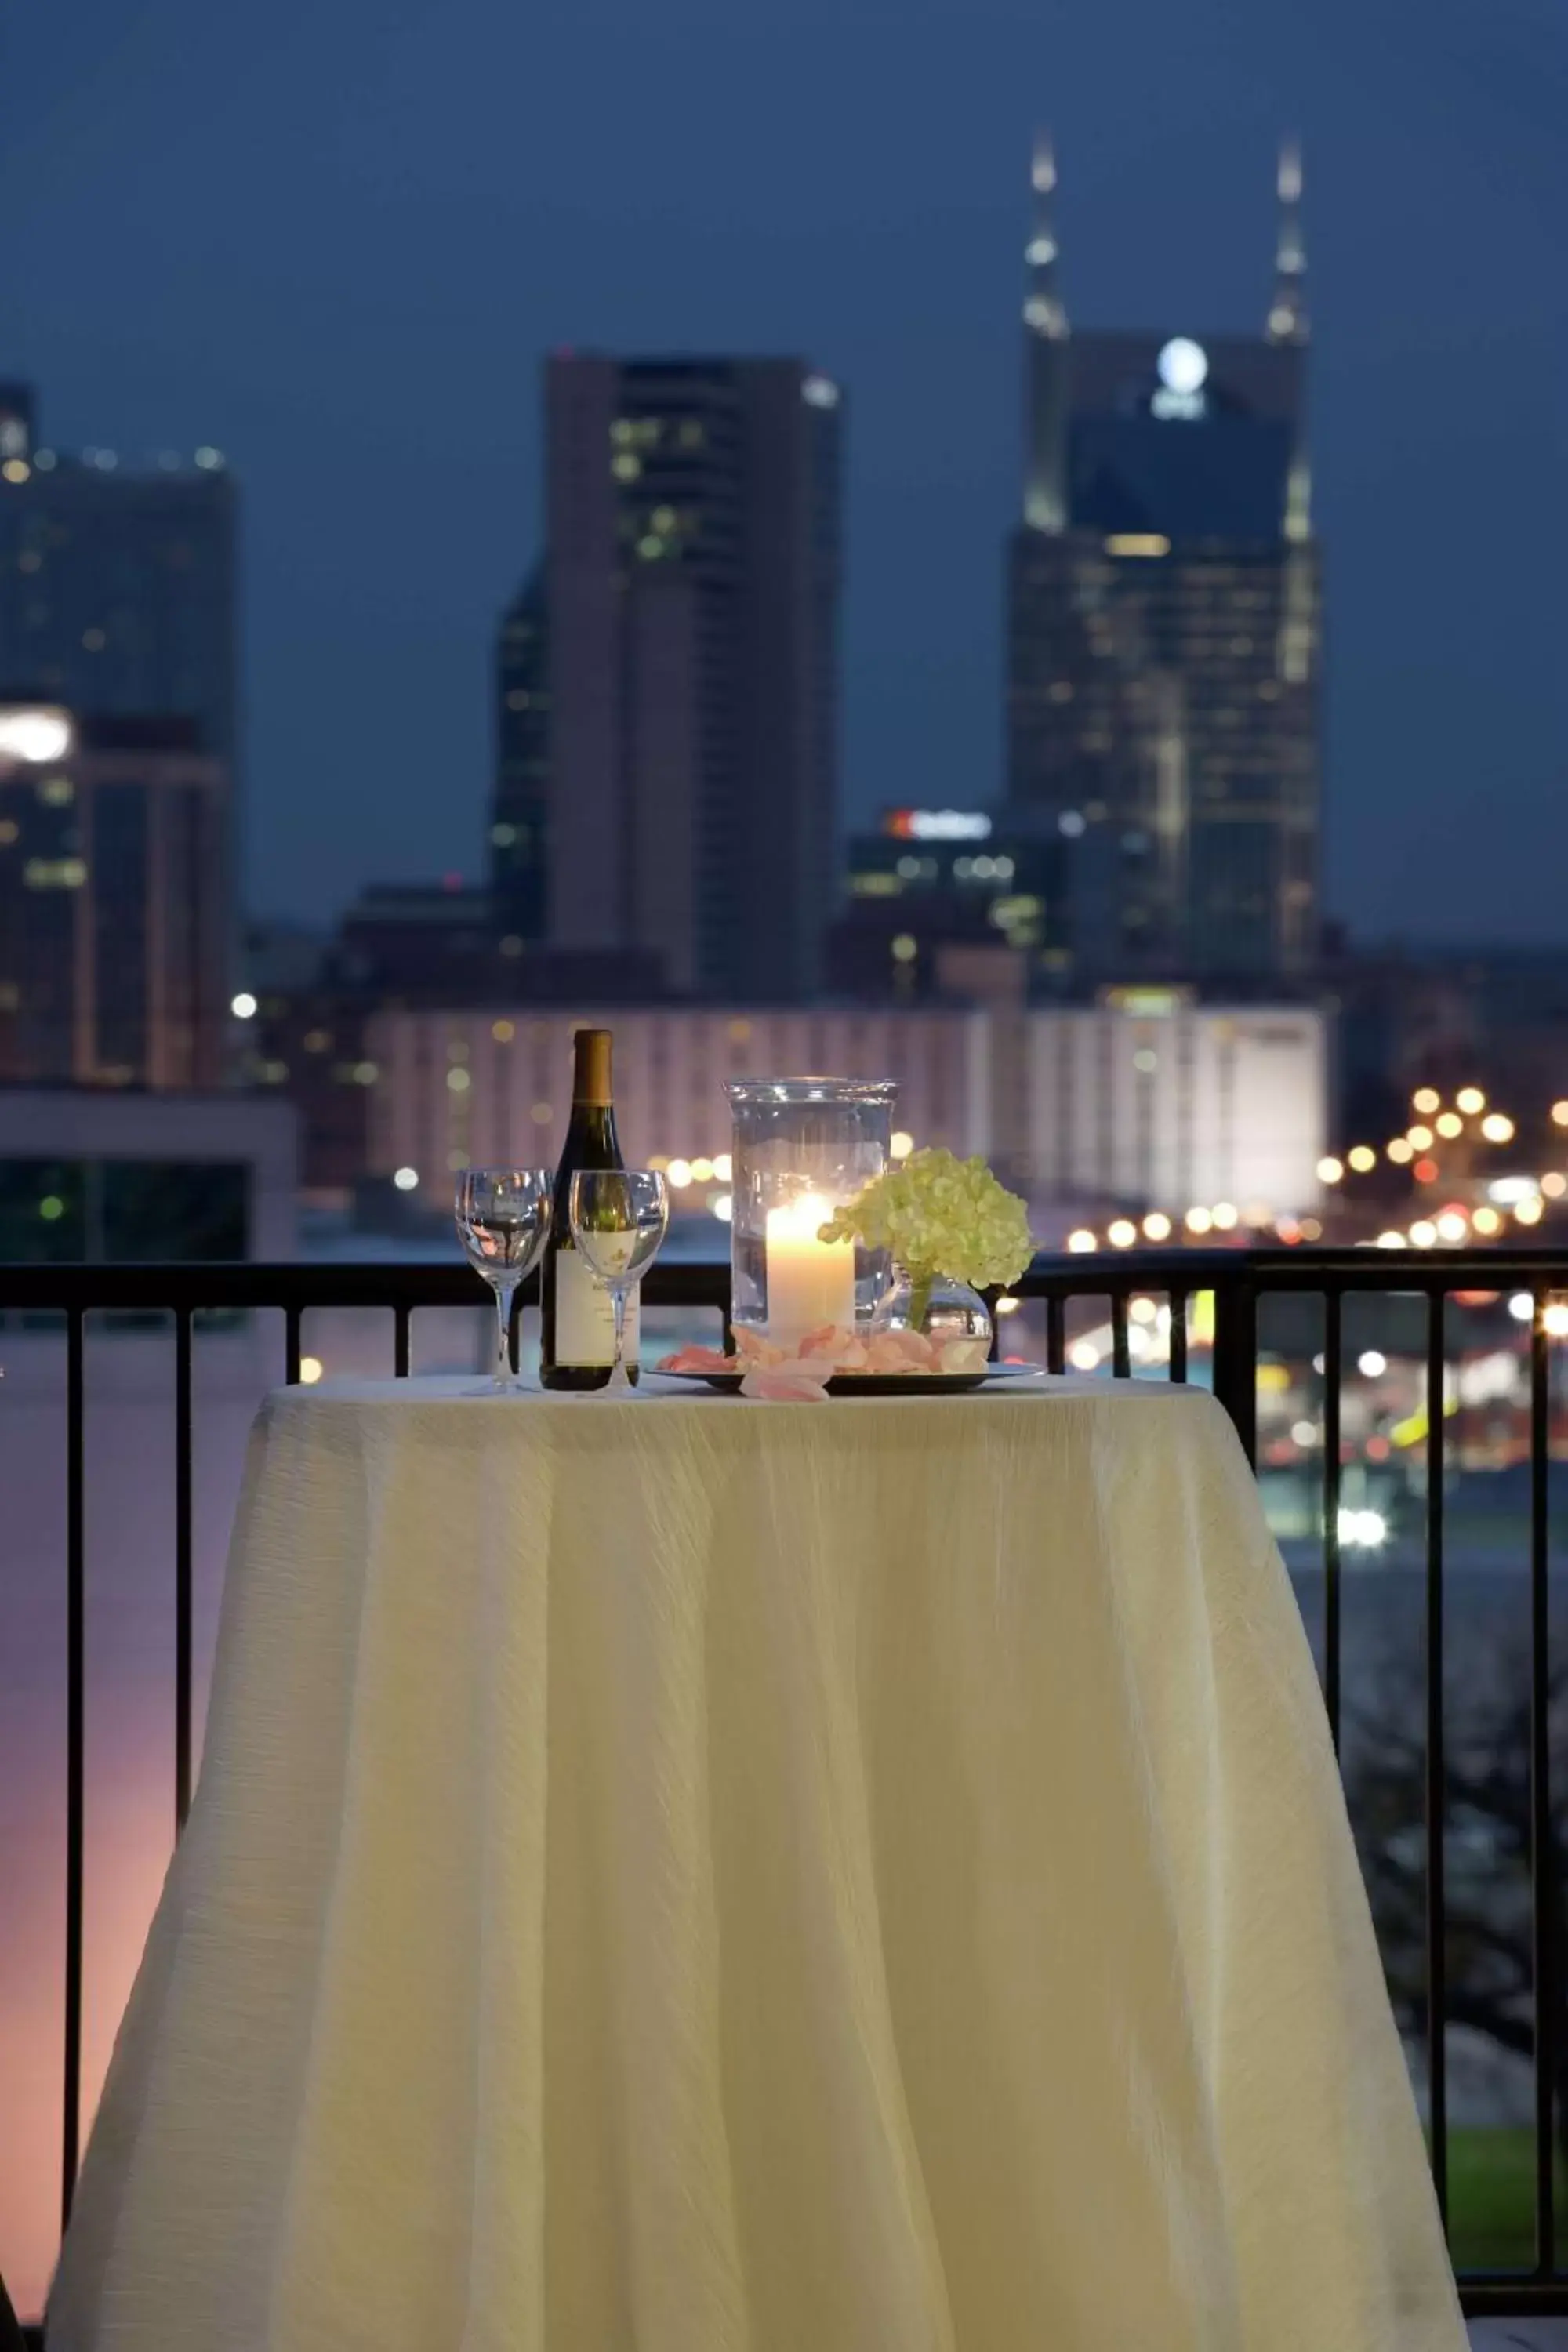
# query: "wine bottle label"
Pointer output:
{"type": "Point", "coordinates": [585, 1316]}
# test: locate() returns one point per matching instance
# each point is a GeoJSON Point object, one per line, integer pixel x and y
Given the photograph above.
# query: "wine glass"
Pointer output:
{"type": "Point", "coordinates": [619, 1217]}
{"type": "Point", "coordinates": [503, 1218]}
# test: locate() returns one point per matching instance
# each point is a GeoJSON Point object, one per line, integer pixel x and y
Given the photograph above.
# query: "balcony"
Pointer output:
{"type": "Point", "coordinates": [1402, 1412]}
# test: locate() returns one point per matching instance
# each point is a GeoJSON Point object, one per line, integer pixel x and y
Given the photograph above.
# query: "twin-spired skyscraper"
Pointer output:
{"type": "Point", "coordinates": [1164, 627]}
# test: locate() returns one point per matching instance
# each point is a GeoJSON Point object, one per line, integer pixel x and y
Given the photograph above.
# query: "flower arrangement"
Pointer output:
{"type": "Point", "coordinates": [940, 1215]}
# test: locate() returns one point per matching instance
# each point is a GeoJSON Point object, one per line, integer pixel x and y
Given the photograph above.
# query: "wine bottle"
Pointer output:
{"type": "Point", "coordinates": [579, 1346]}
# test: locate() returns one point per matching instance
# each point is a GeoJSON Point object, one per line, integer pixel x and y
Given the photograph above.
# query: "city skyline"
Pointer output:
{"type": "Point", "coordinates": [890, 256]}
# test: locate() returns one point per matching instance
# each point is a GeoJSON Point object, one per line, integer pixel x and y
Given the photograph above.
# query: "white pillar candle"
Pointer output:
{"type": "Point", "coordinates": [810, 1282]}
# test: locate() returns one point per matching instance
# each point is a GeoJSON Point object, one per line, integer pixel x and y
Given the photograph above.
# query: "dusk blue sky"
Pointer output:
{"type": "Point", "coordinates": [335, 240]}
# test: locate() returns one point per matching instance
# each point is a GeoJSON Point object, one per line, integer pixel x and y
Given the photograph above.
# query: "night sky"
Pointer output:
{"type": "Point", "coordinates": [334, 240]}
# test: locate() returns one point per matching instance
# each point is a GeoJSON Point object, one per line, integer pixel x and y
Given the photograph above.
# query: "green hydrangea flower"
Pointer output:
{"type": "Point", "coordinates": [941, 1215]}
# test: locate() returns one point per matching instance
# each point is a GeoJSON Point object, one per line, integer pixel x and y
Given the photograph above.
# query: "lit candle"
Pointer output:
{"type": "Point", "coordinates": [810, 1282]}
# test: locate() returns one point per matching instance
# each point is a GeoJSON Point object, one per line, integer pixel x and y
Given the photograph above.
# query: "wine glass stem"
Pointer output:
{"type": "Point", "coordinates": [619, 1381]}
{"type": "Point", "coordinates": [504, 1374]}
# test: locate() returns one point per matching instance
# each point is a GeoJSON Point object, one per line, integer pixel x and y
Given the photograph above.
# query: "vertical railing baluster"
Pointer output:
{"type": "Point", "coordinates": [1436, 1797]}
{"type": "Point", "coordinates": [1120, 1358]}
{"type": "Point", "coordinates": [291, 1345]}
{"type": "Point", "coordinates": [1333, 1354]}
{"type": "Point", "coordinates": [1235, 1357]}
{"type": "Point", "coordinates": [1178, 1365]}
{"type": "Point", "coordinates": [184, 1605]}
{"type": "Point", "coordinates": [1541, 1871]}
{"type": "Point", "coordinates": [1056, 1333]}
{"type": "Point", "coordinates": [400, 1341]}
{"type": "Point", "coordinates": [76, 1793]}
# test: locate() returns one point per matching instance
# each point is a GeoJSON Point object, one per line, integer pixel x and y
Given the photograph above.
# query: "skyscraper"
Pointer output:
{"type": "Point", "coordinates": [117, 583]}
{"type": "Point", "coordinates": [112, 946]}
{"type": "Point", "coordinates": [117, 604]}
{"type": "Point", "coordinates": [686, 613]}
{"type": "Point", "coordinates": [1163, 626]}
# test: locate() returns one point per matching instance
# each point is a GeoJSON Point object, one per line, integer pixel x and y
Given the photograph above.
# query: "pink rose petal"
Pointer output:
{"type": "Point", "coordinates": [695, 1359]}
{"type": "Point", "coordinates": [789, 1384]}
{"type": "Point", "coordinates": [753, 1349]}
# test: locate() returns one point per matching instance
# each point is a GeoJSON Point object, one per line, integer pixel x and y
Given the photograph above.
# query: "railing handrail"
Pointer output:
{"type": "Point", "coordinates": [704, 1282]}
{"type": "Point", "coordinates": [304, 1283]}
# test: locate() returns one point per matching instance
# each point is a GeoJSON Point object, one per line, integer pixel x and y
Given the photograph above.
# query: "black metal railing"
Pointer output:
{"type": "Point", "coordinates": [1239, 1283]}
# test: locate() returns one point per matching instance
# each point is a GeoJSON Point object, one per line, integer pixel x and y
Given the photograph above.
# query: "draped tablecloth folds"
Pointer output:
{"type": "Point", "coordinates": [704, 1876]}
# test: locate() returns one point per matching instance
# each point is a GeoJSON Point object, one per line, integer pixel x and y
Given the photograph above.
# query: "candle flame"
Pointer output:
{"type": "Point", "coordinates": [801, 1219]}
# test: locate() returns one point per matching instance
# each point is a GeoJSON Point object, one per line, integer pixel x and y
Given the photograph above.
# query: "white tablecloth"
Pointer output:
{"type": "Point", "coordinates": [697, 1876]}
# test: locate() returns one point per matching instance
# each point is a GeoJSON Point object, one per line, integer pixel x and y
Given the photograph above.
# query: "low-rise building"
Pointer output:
{"type": "Point", "coordinates": [472, 1088]}
{"type": "Point", "coordinates": [1147, 1099]}
{"type": "Point", "coordinates": [90, 1176]}
{"type": "Point", "coordinates": [1151, 1099]}
{"type": "Point", "coordinates": [932, 880]}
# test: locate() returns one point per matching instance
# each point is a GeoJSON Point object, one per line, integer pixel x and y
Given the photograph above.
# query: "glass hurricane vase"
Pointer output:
{"type": "Point", "coordinates": [803, 1148]}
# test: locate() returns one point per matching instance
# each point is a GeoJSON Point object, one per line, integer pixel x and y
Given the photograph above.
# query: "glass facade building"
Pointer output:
{"type": "Point", "coordinates": [112, 946]}
{"type": "Point", "coordinates": [124, 1211]}
{"type": "Point", "coordinates": [118, 604]}
{"type": "Point", "coordinates": [1164, 631]}
{"type": "Point", "coordinates": [117, 583]}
